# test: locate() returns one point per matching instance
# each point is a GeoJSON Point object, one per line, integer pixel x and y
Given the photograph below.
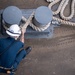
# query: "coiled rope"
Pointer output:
{"type": "Point", "coordinates": [29, 22]}
{"type": "Point", "coordinates": [60, 10]}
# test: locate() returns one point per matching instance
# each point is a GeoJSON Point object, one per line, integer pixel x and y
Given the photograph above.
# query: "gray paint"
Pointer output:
{"type": "Point", "coordinates": [12, 15]}
{"type": "Point", "coordinates": [31, 33]}
{"type": "Point", "coordinates": [43, 15]}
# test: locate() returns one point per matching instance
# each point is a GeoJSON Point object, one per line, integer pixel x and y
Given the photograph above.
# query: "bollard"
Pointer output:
{"type": "Point", "coordinates": [12, 15]}
{"type": "Point", "coordinates": [43, 15]}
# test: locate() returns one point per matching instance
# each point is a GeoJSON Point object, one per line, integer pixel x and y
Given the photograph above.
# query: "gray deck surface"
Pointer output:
{"type": "Point", "coordinates": [55, 56]}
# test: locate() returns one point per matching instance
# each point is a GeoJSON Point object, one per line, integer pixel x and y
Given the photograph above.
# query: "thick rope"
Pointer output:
{"type": "Point", "coordinates": [29, 22]}
{"type": "Point", "coordinates": [72, 10]}
{"type": "Point", "coordinates": [50, 0]}
{"type": "Point", "coordinates": [64, 22]}
{"type": "Point", "coordinates": [53, 3]}
{"type": "Point", "coordinates": [60, 10]}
